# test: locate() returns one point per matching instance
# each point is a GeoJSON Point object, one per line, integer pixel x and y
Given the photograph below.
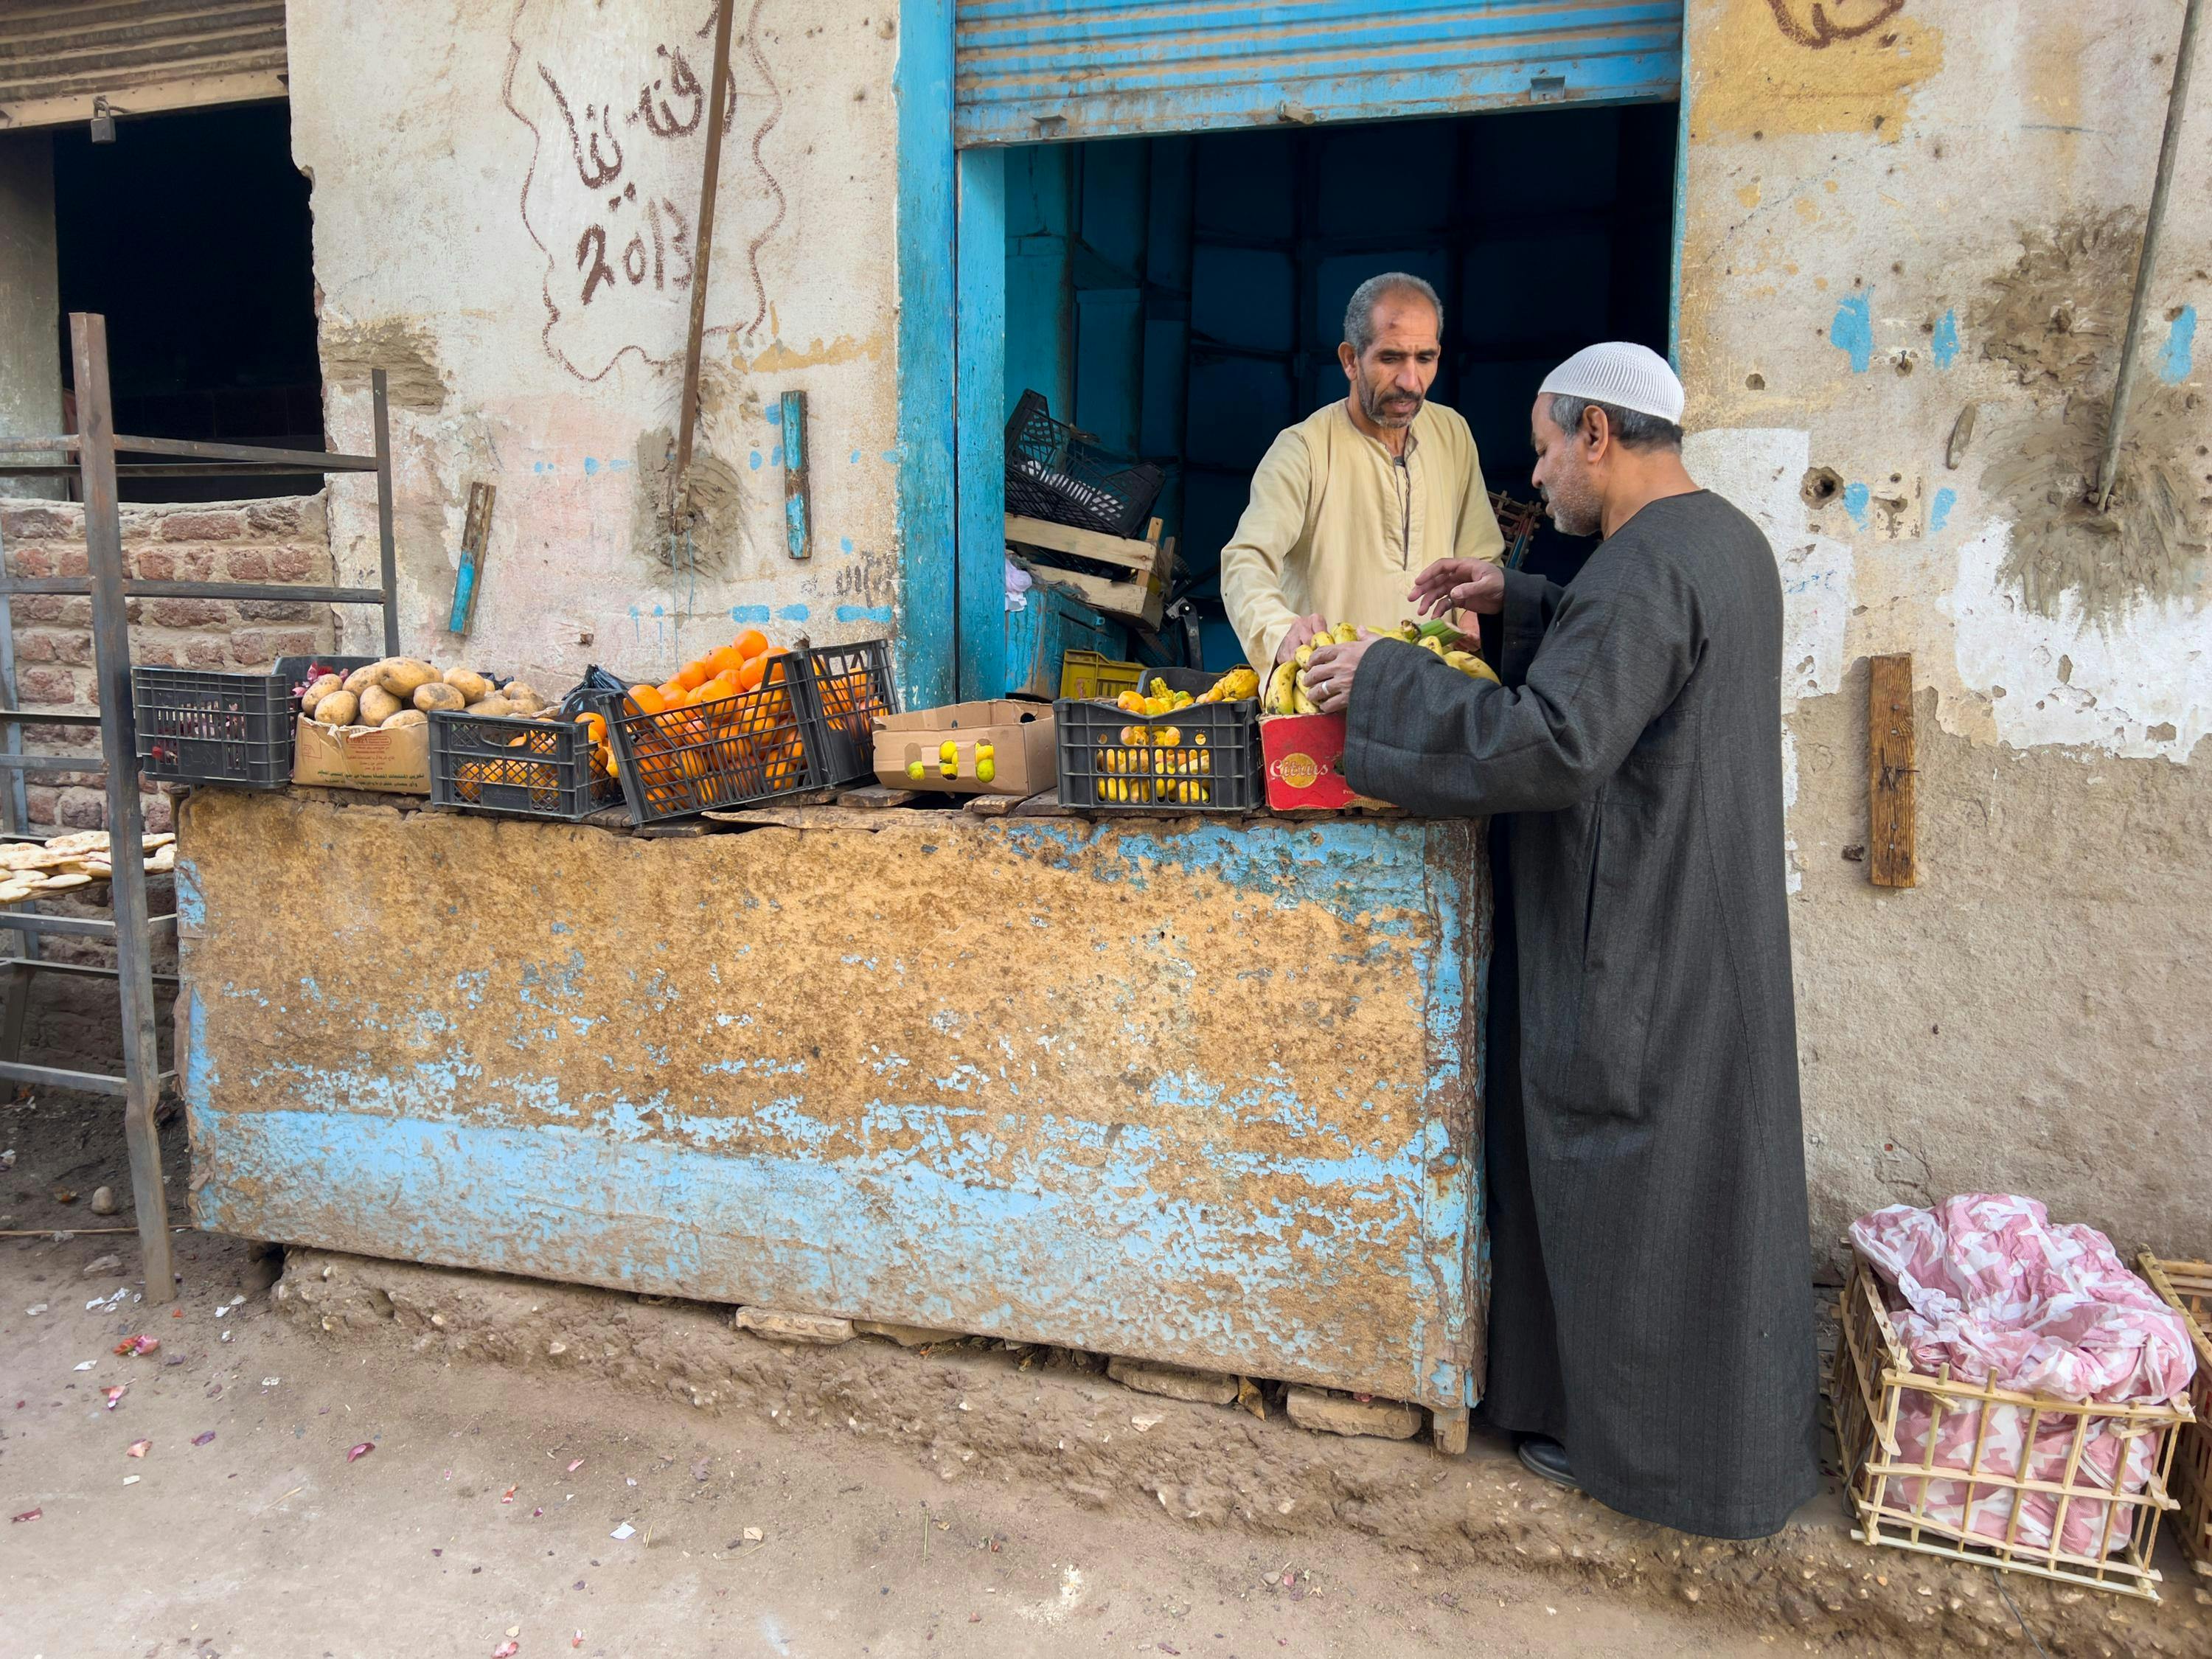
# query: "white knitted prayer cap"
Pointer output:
{"type": "Point", "coordinates": [1622, 373]}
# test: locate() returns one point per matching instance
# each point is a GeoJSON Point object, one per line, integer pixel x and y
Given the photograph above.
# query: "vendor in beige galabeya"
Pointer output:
{"type": "Point", "coordinates": [1352, 504]}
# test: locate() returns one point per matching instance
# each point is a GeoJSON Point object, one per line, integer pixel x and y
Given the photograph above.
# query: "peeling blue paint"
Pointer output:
{"type": "Point", "coordinates": [1852, 331]}
{"type": "Point", "coordinates": [1939, 510]}
{"type": "Point", "coordinates": [722, 1158]}
{"type": "Point", "coordinates": [749, 613]}
{"type": "Point", "coordinates": [1856, 497]}
{"type": "Point", "coordinates": [2174, 359]}
{"type": "Point", "coordinates": [855, 613]}
{"type": "Point", "coordinates": [856, 458]}
{"type": "Point", "coordinates": [1944, 348]}
{"type": "Point", "coordinates": [844, 544]}
{"type": "Point", "coordinates": [791, 613]}
{"type": "Point", "coordinates": [754, 460]}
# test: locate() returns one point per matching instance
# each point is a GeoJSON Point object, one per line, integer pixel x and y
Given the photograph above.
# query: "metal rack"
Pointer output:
{"type": "Point", "coordinates": [94, 447]}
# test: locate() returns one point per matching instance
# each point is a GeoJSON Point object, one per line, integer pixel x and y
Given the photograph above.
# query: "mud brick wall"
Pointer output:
{"type": "Point", "coordinates": [285, 540]}
{"type": "Point", "coordinates": [72, 1021]}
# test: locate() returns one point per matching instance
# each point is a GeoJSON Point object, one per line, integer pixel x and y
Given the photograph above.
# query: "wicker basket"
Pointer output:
{"type": "Point", "coordinates": [2188, 1286]}
{"type": "Point", "coordinates": [1974, 1504]}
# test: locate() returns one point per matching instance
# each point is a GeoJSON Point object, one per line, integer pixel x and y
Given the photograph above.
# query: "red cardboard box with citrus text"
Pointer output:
{"type": "Point", "coordinates": [1304, 758]}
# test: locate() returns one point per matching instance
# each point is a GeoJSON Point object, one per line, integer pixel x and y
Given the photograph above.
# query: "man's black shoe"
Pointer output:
{"type": "Point", "coordinates": [1547, 1458]}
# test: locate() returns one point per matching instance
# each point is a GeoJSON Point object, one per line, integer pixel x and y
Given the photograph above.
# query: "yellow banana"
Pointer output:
{"type": "Point", "coordinates": [1345, 632]}
{"type": "Point", "coordinates": [1279, 684]}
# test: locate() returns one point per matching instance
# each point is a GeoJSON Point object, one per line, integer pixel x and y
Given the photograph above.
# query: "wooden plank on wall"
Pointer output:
{"type": "Point", "coordinates": [1890, 773]}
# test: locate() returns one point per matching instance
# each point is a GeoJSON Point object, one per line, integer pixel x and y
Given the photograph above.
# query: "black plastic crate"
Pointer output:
{"type": "Point", "coordinates": [1204, 758]}
{"type": "Point", "coordinates": [527, 768]}
{"type": "Point", "coordinates": [196, 727]}
{"type": "Point", "coordinates": [735, 751]}
{"type": "Point", "coordinates": [1054, 475]}
{"type": "Point", "coordinates": [844, 688]}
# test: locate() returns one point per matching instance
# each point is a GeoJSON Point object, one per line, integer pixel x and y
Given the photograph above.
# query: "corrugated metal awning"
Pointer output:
{"type": "Point", "coordinates": [1031, 69]}
{"type": "Point", "coordinates": [142, 56]}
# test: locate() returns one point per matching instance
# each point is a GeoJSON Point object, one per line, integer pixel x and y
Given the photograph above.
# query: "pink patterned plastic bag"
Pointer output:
{"type": "Point", "coordinates": [1986, 1285]}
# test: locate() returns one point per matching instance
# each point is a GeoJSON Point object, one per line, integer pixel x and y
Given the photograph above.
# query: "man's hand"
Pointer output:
{"type": "Point", "coordinates": [1330, 672]}
{"type": "Point", "coordinates": [1301, 631]}
{"type": "Point", "coordinates": [1459, 585]}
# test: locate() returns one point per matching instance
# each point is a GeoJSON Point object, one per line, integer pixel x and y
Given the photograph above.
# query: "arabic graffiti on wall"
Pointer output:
{"type": "Point", "coordinates": [617, 100]}
{"type": "Point", "coordinates": [1819, 23]}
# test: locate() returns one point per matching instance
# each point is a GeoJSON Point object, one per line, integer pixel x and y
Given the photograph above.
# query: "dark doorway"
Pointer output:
{"type": "Point", "coordinates": [190, 233]}
{"type": "Point", "coordinates": [1182, 297]}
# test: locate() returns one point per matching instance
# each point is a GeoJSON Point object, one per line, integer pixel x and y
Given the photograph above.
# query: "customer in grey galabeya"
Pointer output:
{"type": "Point", "coordinates": [1650, 1313]}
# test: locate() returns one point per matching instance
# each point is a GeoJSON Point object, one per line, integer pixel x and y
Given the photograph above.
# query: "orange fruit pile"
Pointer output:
{"type": "Point", "coordinates": [720, 729]}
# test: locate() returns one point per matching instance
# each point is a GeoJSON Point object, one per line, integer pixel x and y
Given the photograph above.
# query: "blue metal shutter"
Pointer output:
{"type": "Point", "coordinates": [1031, 69]}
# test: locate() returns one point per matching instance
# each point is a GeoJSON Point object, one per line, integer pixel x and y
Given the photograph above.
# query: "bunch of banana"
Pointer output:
{"type": "Point", "coordinates": [1238, 683]}
{"type": "Point", "coordinates": [1288, 691]}
{"type": "Point", "coordinates": [1449, 646]}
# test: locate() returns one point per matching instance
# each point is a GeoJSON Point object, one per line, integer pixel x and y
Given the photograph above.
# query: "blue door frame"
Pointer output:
{"type": "Point", "coordinates": [951, 369]}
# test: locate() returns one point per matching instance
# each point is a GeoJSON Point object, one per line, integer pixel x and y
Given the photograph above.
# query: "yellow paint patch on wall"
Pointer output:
{"type": "Point", "coordinates": [1748, 194]}
{"type": "Point", "coordinates": [1773, 67]}
{"type": "Point", "coordinates": [776, 356]}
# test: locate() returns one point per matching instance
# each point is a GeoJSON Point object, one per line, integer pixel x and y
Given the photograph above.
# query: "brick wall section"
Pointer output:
{"type": "Point", "coordinates": [285, 540]}
{"type": "Point", "coordinates": [75, 1022]}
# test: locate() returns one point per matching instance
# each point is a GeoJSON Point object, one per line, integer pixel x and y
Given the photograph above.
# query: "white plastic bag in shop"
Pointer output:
{"type": "Point", "coordinates": [1986, 1285]}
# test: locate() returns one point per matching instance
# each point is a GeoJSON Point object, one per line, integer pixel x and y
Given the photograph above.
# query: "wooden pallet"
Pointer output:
{"type": "Point", "coordinates": [1139, 596]}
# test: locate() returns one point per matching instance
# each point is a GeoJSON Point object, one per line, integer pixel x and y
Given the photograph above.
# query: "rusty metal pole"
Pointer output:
{"type": "Point", "coordinates": [126, 841]}
{"type": "Point", "coordinates": [2176, 103]}
{"type": "Point", "coordinates": [718, 98]}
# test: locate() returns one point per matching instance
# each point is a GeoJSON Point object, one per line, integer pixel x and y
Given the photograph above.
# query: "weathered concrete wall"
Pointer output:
{"type": "Point", "coordinates": [30, 353]}
{"type": "Point", "coordinates": [1170, 1089]}
{"type": "Point", "coordinates": [1911, 237]}
{"type": "Point", "coordinates": [504, 202]}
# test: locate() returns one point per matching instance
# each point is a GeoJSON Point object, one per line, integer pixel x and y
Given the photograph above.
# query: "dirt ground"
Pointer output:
{"type": "Point", "coordinates": [485, 1508]}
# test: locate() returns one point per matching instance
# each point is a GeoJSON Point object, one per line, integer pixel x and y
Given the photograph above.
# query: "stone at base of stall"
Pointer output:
{"type": "Point", "coordinates": [977, 1411]}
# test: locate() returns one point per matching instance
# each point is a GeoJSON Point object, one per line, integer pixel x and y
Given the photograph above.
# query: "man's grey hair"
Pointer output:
{"type": "Point", "coordinates": [1360, 314]}
{"type": "Point", "coordinates": [1632, 428]}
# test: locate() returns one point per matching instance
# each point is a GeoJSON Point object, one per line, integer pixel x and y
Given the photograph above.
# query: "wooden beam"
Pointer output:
{"type": "Point", "coordinates": [798, 532]}
{"type": "Point", "coordinates": [1890, 772]}
{"type": "Point", "coordinates": [1138, 558]}
{"type": "Point", "coordinates": [476, 536]}
{"type": "Point", "coordinates": [703, 251]}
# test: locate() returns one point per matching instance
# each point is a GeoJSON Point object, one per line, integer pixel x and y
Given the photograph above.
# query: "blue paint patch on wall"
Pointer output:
{"type": "Point", "coordinates": [773, 414]}
{"type": "Point", "coordinates": [776, 455]}
{"type": "Point", "coordinates": [844, 544]}
{"type": "Point", "coordinates": [754, 461]}
{"type": "Point", "coordinates": [791, 613]}
{"type": "Point", "coordinates": [1944, 348]}
{"type": "Point", "coordinates": [1855, 498]}
{"type": "Point", "coordinates": [855, 613]}
{"type": "Point", "coordinates": [1852, 331]}
{"type": "Point", "coordinates": [856, 458]}
{"type": "Point", "coordinates": [2173, 361]}
{"type": "Point", "coordinates": [749, 613]}
{"type": "Point", "coordinates": [1939, 510]}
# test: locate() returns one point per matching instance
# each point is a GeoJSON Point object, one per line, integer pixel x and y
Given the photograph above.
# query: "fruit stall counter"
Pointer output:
{"type": "Point", "coordinates": [1198, 1090]}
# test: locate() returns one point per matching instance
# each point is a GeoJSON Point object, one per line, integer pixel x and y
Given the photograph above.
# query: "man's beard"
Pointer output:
{"type": "Point", "coordinates": [1575, 515]}
{"type": "Point", "coordinates": [1372, 403]}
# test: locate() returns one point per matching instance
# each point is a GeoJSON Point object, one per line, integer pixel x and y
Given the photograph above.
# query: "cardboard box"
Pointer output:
{"type": "Point", "coordinates": [396, 761]}
{"type": "Point", "coordinates": [1020, 735]}
{"type": "Point", "coordinates": [1304, 758]}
